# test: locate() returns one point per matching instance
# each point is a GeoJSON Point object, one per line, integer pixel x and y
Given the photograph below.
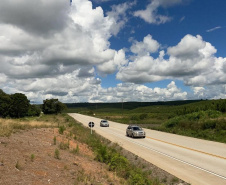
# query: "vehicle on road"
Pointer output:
{"type": "Point", "coordinates": [135, 131]}
{"type": "Point", "coordinates": [104, 123]}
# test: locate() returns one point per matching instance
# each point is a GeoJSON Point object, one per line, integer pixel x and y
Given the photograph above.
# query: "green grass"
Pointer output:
{"type": "Point", "coordinates": [204, 119]}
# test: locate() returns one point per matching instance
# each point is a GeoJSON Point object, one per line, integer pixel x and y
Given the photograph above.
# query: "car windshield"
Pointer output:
{"type": "Point", "coordinates": [104, 121]}
{"type": "Point", "coordinates": [137, 128]}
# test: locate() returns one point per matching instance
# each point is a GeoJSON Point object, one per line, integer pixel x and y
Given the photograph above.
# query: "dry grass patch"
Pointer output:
{"type": "Point", "coordinates": [8, 126]}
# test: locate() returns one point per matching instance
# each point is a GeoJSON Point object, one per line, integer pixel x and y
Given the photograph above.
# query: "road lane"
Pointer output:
{"type": "Point", "coordinates": [195, 161]}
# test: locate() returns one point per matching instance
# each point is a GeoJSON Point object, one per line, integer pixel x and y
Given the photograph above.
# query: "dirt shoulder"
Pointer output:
{"type": "Point", "coordinates": [28, 157]}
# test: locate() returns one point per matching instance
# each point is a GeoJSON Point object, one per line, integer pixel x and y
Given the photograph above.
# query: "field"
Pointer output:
{"type": "Point", "coordinates": [205, 119]}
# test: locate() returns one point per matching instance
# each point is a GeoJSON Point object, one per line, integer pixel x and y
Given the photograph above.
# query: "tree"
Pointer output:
{"type": "Point", "coordinates": [19, 105]}
{"type": "Point", "coordinates": [5, 102]}
{"type": "Point", "coordinates": [33, 110]}
{"type": "Point", "coordinates": [52, 106]}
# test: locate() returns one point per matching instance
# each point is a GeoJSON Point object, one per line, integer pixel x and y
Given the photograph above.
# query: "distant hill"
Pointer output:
{"type": "Point", "coordinates": [128, 105]}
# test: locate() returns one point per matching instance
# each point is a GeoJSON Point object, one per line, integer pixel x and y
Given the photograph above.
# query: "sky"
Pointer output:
{"type": "Point", "coordinates": [113, 50]}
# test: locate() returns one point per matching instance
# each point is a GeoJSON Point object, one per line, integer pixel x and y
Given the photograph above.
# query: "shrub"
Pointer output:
{"type": "Point", "coordinates": [54, 140]}
{"type": "Point", "coordinates": [143, 116]}
{"type": "Point", "coordinates": [64, 146]}
{"type": "Point", "coordinates": [75, 150]}
{"type": "Point", "coordinates": [209, 124]}
{"type": "Point", "coordinates": [173, 122]}
{"type": "Point", "coordinates": [102, 154]}
{"type": "Point", "coordinates": [213, 113]}
{"type": "Point", "coordinates": [32, 157]}
{"type": "Point", "coordinates": [118, 162]}
{"type": "Point", "coordinates": [134, 117]}
{"type": "Point", "coordinates": [62, 129]}
{"type": "Point", "coordinates": [57, 154]}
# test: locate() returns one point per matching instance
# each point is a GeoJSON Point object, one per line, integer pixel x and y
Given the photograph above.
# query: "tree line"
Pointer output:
{"type": "Point", "coordinates": [17, 106]}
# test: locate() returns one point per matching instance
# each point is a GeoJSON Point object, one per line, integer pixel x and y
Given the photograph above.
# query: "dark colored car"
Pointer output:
{"type": "Point", "coordinates": [135, 131]}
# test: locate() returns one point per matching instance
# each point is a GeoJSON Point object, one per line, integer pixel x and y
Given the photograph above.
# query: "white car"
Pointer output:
{"type": "Point", "coordinates": [104, 123]}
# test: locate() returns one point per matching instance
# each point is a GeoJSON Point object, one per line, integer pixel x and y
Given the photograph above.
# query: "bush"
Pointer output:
{"type": "Point", "coordinates": [102, 154]}
{"type": "Point", "coordinates": [209, 124]}
{"type": "Point", "coordinates": [213, 113]}
{"type": "Point", "coordinates": [118, 162]}
{"type": "Point", "coordinates": [34, 111]}
{"type": "Point", "coordinates": [143, 116]}
{"type": "Point", "coordinates": [173, 122]}
{"type": "Point", "coordinates": [57, 154]}
{"type": "Point", "coordinates": [134, 117]}
{"type": "Point", "coordinates": [62, 129]}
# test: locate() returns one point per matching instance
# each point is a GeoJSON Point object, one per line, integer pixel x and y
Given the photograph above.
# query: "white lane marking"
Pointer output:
{"type": "Point", "coordinates": [200, 168]}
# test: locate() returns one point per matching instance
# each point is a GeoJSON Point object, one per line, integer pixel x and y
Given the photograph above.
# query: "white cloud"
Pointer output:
{"type": "Point", "coordinates": [51, 49]}
{"type": "Point", "coordinates": [191, 60]}
{"type": "Point", "coordinates": [213, 29]}
{"type": "Point", "coordinates": [36, 17]}
{"type": "Point", "coordinates": [54, 54]}
{"type": "Point", "coordinates": [150, 14]}
{"type": "Point", "coordinates": [114, 64]}
{"type": "Point", "coordinates": [132, 92]}
{"type": "Point", "coordinates": [118, 16]}
{"type": "Point", "coordinates": [149, 45]}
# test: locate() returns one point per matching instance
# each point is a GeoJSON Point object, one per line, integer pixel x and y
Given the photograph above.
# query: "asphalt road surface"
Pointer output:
{"type": "Point", "coordinates": [195, 161]}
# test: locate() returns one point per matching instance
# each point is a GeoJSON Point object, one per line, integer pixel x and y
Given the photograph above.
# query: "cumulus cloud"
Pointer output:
{"type": "Point", "coordinates": [43, 43]}
{"type": "Point", "coordinates": [112, 65]}
{"type": "Point", "coordinates": [149, 45]}
{"type": "Point", "coordinates": [151, 15]}
{"type": "Point", "coordinates": [118, 16]}
{"type": "Point", "coordinates": [35, 17]}
{"type": "Point", "coordinates": [130, 92]}
{"type": "Point", "coordinates": [191, 60]}
{"type": "Point", "coordinates": [50, 49]}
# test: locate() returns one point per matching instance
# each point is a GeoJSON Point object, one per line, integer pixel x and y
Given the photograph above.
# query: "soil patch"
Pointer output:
{"type": "Point", "coordinates": [28, 157]}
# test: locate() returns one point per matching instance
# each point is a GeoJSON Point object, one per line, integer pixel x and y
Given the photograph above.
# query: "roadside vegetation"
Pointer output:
{"type": "Point", "coordinates": [105, 152]}
{"type": "Point", "coordinates": [205, 119]}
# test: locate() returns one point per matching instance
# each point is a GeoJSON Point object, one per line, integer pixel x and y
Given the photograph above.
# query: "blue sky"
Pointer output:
{"type": "Point", "coordinates": [109, 50]}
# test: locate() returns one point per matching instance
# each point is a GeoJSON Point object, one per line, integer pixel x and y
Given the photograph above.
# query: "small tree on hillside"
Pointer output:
{"type": "Point", "coordinates": [52, 106]}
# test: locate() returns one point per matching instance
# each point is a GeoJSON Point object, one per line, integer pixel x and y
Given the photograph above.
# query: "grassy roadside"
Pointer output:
{"type": "Point", "coordinates": [105, 152]}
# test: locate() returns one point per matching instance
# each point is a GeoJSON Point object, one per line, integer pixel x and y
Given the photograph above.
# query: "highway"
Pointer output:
{"type": "Point", "coordinates": [196, 161]}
